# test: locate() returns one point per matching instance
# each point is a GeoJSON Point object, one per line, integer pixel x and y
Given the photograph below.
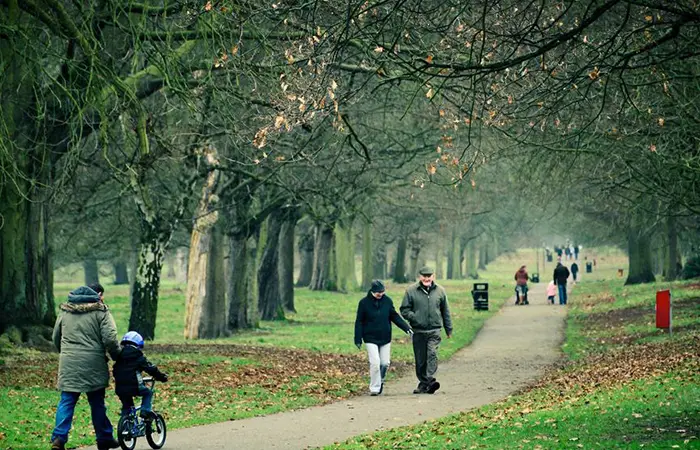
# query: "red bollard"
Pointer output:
{"type": "Point", "coordinates": [663, 309]}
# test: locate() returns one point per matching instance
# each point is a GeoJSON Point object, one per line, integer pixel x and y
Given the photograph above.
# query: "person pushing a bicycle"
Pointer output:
{"type": "Point", "coordinates": [127, 375]}
{"type": "Point", "coordinates": [521, 279]}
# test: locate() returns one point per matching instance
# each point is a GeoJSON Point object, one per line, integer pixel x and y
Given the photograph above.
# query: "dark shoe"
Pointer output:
{"type": "Point", "coordinates": [374, 394]}
{"type": "Point", "coordinates": [106, 445]}
{"type": "Point", "coordinates": [58, 444]}
{"type": "Point", "coordinates": [148, 416]}
{"type": "Point", "coordinates": [420, 390]}
{"type": "Point", "coordinates": [434, 386]}
{"type": "Point", "coordinates": [381, 388]}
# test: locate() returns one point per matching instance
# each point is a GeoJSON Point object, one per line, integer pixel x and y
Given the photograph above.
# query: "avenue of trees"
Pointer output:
{"type": "Point", "coordinates": [231, 136]}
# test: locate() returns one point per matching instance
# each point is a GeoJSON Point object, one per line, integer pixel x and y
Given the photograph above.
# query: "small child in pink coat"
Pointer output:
{"type": "Point", "coordinates": [551, 292]}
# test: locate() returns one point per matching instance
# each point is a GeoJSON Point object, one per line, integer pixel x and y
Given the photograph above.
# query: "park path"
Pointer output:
{"type": "Point", "coordinates": [511, 351]}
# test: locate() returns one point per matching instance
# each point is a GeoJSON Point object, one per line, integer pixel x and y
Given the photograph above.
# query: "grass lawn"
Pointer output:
{"type": "Point", "coordinates": [308, 359]}
{"type": "Point", "coordinates": [625, 384]}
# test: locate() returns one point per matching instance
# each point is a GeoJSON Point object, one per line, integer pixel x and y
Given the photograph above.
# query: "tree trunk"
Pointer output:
{"type": "Point", "coordinates": [26, 272]}
{"type": "Point", "coordinates": [463, 269]}
{"type": "Point", "coordinates": [121, 274]}
{"type": "Point", "coordinates": [205, 316]}
{"type": "Point", "coordinates": [450, 258]}
{"type": "Point", "coordinates": [639, 251]}
{"type": "Point", "coordinates": [399, 275]}
{"type": "Point", "coordinates": [367, 256]}
{"type": "Point", "coordinates": [255, 245]}
{"type": "Point", "coordinates": [26, 275]}
{"type": "Point", "coordinates": [482, 256]}
{"type": "Point", "coordinates": [286, 261]}
{"type": "Point", "coordinates": [439, 254]}
{"type": "Point", "coordinates": [322, 278]}
{"type": "Point", "coordinates": [237, 286]}
{"type": "Point", "coordinates": [672, 254]}
{"type": "Point", "coordinates": [345, 256]}
{"type": "Point", "coordinates": [341, 250]}
{"type": "Point", "coordinates": [351, 269]}
{"type": "Point", "coordinates": [144, 290]}
{"type": "Point", "coordinates": [269, 301]}
{"type": "Point", "coordinates": [92, 273]}
{"type": "Point", "coordinates": [472, 271]}
{"type": "Point", "coordinates": [488, 252]}
{"type": "Point", "coordinates": [413, 259]}
{"type": "Point", "coordinates": [181, 265]}
{"type": "Point", "coordinates": [170, 264]}
{"type": "Point", "coordinates": [306, 255]}
{"type": "Point", "coordinates": [456, 256]}
{"type": "Point", "coordinates": [379, 261]}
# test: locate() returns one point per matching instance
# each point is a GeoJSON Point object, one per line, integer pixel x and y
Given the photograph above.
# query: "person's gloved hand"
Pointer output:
{"type": "Point", "coordinates": [164, 378]}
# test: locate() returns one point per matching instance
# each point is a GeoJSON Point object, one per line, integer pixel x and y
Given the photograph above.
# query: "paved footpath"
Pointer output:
{"type": "Point", "coordinates": [511, 351]}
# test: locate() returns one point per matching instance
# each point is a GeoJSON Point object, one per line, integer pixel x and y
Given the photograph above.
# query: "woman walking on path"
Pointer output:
{"type": "Point", "coordinates": [521, 278]}
{"type": "Point", "coordinates": [375, 312]}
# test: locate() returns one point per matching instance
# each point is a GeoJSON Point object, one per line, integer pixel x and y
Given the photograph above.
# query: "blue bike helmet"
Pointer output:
{"type": "Point", "coordinates": [133, 337]}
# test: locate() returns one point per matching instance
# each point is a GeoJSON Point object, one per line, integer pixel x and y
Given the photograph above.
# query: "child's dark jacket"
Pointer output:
{"type": "Point", "coordinates": [127, 371]}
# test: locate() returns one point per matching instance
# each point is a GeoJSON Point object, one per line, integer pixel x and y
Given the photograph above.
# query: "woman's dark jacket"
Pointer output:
{"type": "Point", "coordinates": [373, 322]}
{"type": "Point", "coordinates": [127, 371]}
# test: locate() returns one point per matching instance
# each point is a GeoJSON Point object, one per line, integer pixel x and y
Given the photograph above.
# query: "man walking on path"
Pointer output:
{"type": "Point", "coordinates": [375, 312]}
{"type": "Point", "coordinates": [426, 309]}
{"type": "Point", "coordinates": [561, 274]}
{"type": "Point", "coordinates": [83, 332]}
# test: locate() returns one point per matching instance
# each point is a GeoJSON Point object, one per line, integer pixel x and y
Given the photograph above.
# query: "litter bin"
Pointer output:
{"type": "Point", "coordinates": [535, 278]}
{"type": "Point", "coordinates": [589, 267]}
{"type": "Point", "coordinates": [480, 294]}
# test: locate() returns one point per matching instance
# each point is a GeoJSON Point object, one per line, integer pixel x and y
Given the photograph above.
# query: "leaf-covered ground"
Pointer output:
{"type": "Point", "coordinates": [208, 383]}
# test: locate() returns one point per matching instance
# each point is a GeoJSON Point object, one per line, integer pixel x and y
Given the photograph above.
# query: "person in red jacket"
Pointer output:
{"type": "Point", "coordinates": [521, 278]}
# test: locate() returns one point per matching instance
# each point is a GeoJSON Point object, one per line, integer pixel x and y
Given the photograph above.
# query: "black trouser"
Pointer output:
{"type": "Point", "coordinates": [425, 351]}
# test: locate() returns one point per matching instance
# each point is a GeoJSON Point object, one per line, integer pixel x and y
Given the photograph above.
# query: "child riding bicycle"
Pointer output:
{"type": "Point", "coordinates": [127, 375]}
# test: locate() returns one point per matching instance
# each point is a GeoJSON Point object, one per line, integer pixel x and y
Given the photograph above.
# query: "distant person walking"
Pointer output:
{"type": "Point", "coordinates": [83, 333]}
{"type": "Point", "coordinates": [577, 249]}
{"type": "Point", "coordinates": [375, 313]}
{"type": "Point", "coordinates": [521, 278]}
{"type": "Point", "coordinates": [561, 275]}
{"type": "Point", "coordinates": [426, 309]}
{"type": "Point", "coordinates": [574, 270]}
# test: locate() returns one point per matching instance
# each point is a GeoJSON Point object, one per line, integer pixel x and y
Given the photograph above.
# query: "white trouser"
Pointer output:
{"type": "Point", "coordinates": [378, 364]}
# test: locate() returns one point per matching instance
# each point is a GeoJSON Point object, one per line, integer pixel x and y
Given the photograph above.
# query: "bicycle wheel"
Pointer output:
{"type": "Point", "coordinates": [156, 431]}
{"type": "Point", "coordinates": [126, 440]}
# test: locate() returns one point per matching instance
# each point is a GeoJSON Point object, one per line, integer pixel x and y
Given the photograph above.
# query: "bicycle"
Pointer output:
{"type": "Point", "coordinates": [132, 426]}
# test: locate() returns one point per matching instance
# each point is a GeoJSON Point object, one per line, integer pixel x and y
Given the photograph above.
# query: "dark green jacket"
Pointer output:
{"type": "Point", "coordinates": [83, 334]}
{"type": "Point", "coordinates": [426, 309]}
